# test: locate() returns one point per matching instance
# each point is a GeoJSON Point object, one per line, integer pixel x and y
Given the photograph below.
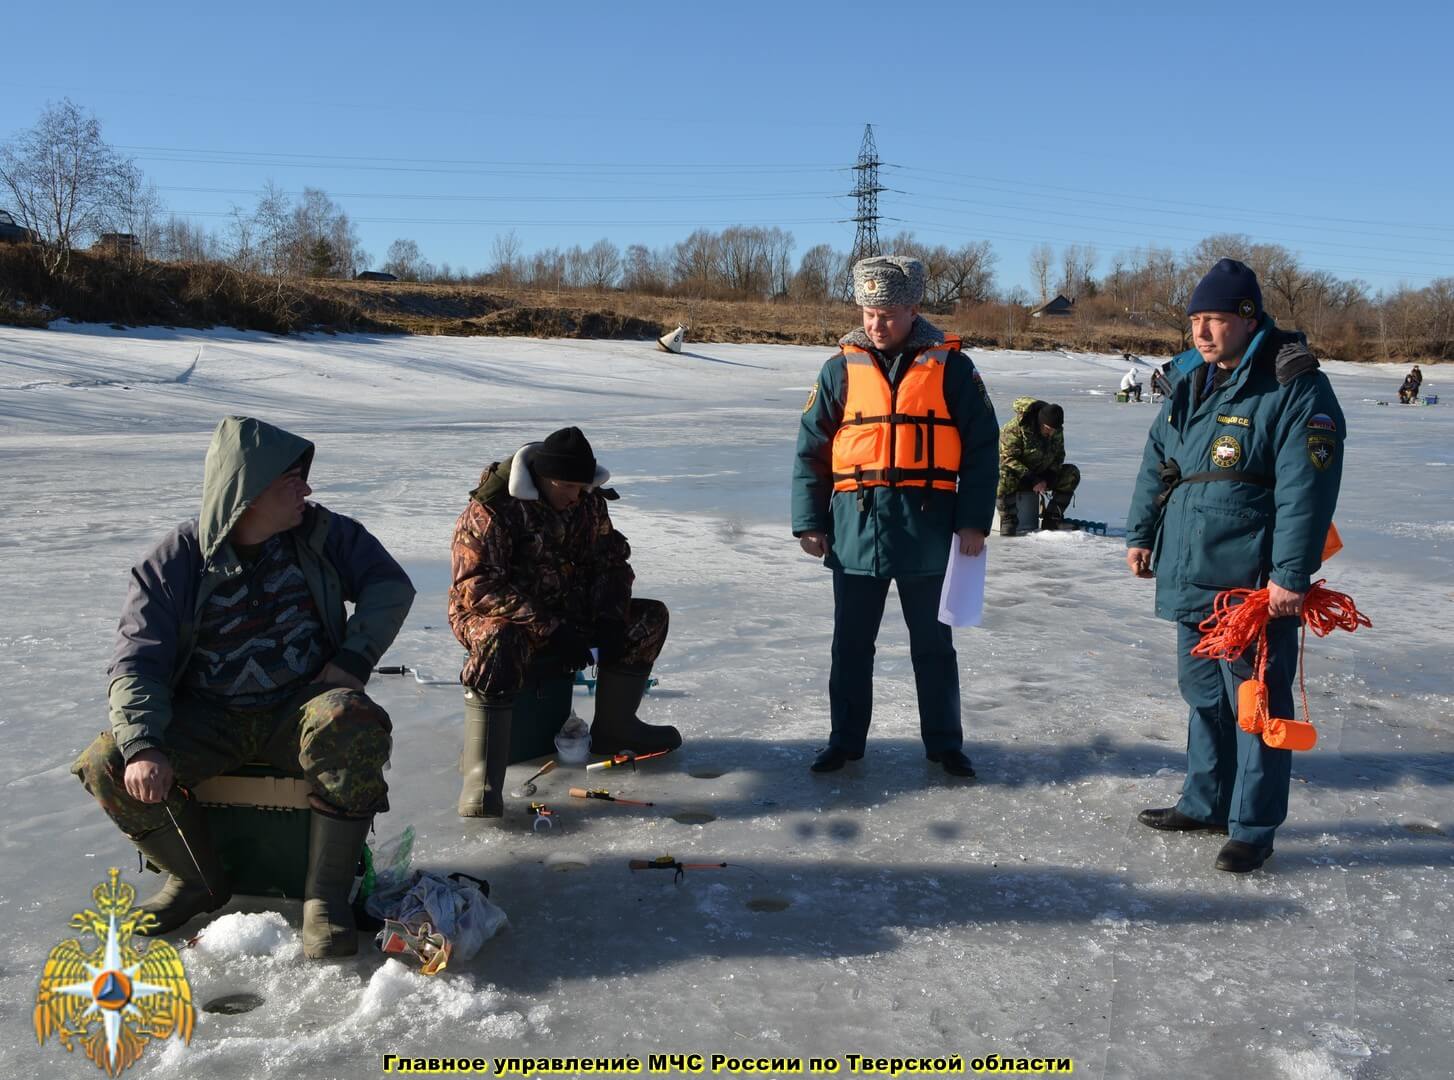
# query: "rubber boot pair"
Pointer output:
{"type": "Point", "coordinates": [334, 845]}
{"type": "Point", "coordinates": [615, 727]}
{"type": "Point", "coordinates": [196, 882]}
{"type": "Point", "coordinates": [486, 754]}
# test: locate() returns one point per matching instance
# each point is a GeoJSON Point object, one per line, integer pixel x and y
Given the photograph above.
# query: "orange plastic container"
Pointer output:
{"type": "Point", "coordinates": [1251, 705]}
{"type": "Point", "coordinates": [1289, 734]}
{"type": "Point", "coordinates": [1281, 734]}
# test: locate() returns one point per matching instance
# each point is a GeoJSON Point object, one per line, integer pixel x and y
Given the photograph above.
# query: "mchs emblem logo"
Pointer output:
{"type": "Point", "coordinates": [112, 999]}
{"type": "Point", "coordinates": [1226, 452]}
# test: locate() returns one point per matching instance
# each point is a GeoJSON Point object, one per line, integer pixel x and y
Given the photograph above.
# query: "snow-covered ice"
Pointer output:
{"type": "Point", "coordinates": [884, 910]}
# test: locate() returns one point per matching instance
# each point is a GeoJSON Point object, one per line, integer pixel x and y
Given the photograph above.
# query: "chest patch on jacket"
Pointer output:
{"type": "Point", "coordinates": [1321, 449]}
{"type": "Point", "coordinates": [1226, 451]}
{"type": "Point", "coordinates": [1240, 421]}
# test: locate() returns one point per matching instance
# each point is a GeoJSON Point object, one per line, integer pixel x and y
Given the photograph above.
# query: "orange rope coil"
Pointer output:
{"type": "Point", "coordinates": [1239, 619]}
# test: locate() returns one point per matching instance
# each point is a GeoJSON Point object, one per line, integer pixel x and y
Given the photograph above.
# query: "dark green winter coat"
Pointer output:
{"type": "Point", "coordinates": [899, 532]}
{"type": "Point", "coordinates": [1272, 439]}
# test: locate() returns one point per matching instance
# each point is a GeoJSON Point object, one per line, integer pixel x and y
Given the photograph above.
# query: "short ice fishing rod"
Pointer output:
{"type": "Point", "coordinates": [605, 796]}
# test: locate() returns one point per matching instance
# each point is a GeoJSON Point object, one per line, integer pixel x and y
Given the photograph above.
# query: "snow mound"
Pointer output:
{"type": "Point", "coordinates": [265, 933]}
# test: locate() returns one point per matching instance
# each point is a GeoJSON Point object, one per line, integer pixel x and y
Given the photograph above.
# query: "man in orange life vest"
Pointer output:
{"type": "Point", "coordinates": [896, 455]}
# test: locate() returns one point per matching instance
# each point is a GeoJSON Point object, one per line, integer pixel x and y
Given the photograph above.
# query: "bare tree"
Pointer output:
{"type": "Point", "coordinates": [968, 274]}
{"type": "Point", "coordinates": [818, 273]}
{"type": "Point", "coordinates": [64, 179]}
{"type": "Point", "coordinates": [600, 265]}
{"type": "Point", "coordinates": [272, 231]}
{"type": "Point", "coordinates": [1077, 271]}
{"type": "Point", "coordinates": [1284, 280]}
{"type": "Point", "coordinates": [136, 209]}
{"type": "Point", "coordinates": [646, 271]}
{"type": "Point", "coordinates": [1042, 258]}
{"type": "Point", "coordinates": [505, 261]}
{"type": "Point", "coordinates": [546, 269]}
{"type": "Point", "coordinates": [179, 240]}
{"type": "Point", "coordinates": [697, 262]}
{"type": "Point", "coordinates": [404, 260]}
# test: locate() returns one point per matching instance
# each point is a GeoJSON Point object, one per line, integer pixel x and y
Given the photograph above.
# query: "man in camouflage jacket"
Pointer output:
{"type": "Point", "coordinates": [541, 578]}
{"type": "Point", "coordinates": [1032, 458]}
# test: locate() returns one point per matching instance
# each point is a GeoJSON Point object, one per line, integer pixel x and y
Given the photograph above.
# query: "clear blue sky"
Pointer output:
{"type": "Point", "coordinates": [1322, 127]}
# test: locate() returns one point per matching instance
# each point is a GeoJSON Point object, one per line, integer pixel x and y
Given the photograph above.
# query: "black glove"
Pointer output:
{"type": "Point", "coordinates": [571, 646]}
{"type": "Point", "coordinates": [611, 639]}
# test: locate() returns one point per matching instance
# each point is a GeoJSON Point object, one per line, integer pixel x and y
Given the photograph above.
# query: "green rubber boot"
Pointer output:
{"type": "Point", "coordinates": [334, 845]}
{"type": "Point", "coordinates": [192, 888]}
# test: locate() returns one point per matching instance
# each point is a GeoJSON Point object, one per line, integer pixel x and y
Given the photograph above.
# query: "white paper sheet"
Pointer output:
{"type": "Point", "coordinates": [961, 601]}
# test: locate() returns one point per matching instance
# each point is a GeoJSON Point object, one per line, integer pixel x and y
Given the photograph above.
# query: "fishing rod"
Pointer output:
{"type": "Point", "coordinates": [605, 796]}
{"type": "Point", "coordinates": [625, 757]}
{"type": "Point", "coordinates": [679, 869]}
{"type": "Point", "coordinates": [190, 853]}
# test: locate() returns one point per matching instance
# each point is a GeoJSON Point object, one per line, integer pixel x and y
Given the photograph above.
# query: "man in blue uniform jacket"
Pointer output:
{"type": "Point", "coordinates": [1237, 489]}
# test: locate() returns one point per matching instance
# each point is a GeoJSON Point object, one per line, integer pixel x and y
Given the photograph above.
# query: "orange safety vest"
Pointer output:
{"type": "Point", "coordinates": [900, 437]}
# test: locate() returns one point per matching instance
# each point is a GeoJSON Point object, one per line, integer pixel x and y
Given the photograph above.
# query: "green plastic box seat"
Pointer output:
{"type": "Point", "coordinates": [259, 818]}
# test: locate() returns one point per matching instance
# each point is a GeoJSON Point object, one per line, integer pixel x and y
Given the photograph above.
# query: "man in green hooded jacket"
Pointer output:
{"type": "Point", "coordinates": [235, 646]}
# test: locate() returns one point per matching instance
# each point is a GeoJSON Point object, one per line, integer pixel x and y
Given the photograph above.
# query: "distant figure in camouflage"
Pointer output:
{"type": "Point", "coordinates": [542, 577]}
{"type": "Point", "coordinates": [1032, 458]}
{"type": "Point", "coordinates": [235, 646]}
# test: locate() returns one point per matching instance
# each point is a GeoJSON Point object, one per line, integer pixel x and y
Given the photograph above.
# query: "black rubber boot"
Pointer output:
{"type": "Point", "coordinates": [188, 890]}
{"type": "Point", "coordinates": [486, 754]}
{"type": "Point", "coordinates": [1053, 515]}
{"type": "Point", "coordinates": [615, 726]}
{"type": "Point", "coordinates": [334, 845]}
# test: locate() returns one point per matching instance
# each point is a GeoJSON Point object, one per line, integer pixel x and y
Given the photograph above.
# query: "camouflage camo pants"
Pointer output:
{"type": "Point", "coordinates": [337, 739]}
{"type": "Point", "coordinates": [507, 652]}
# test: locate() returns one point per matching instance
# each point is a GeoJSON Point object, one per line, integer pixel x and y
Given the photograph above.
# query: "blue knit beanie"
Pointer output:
{"type": "Point", "coordinates": [1229, 286]}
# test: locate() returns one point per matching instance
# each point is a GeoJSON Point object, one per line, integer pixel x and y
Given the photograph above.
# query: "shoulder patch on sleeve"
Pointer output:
{"type": "Point", "coordinates": [1322, 422]}
{"type": "Point", "coordinates": [812, 397]}
{"type": "Point", "coordinates": [1321, 450]}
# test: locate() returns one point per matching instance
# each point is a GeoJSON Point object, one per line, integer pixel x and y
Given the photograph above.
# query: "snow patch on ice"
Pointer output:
{"type": "Point", "coordinates": [264, 933]}
{"type": "Point", "coordinates": [1307, 1065]}
{"type": "Point", "coordinates": [1422, 529]}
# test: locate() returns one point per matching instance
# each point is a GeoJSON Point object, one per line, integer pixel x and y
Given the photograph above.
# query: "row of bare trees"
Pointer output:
{"type": "Point", "coordinates": [62, 180]}
{"type": "Point", "coordinates": [1343, 317]}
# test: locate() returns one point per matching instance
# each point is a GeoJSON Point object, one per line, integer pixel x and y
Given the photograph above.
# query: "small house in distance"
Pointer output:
{"type": "Point", "coordinates": [118, 243]}
{"type": "Point", "coordinates": [1059, 307]}
{"type": "Point", "coordinates": [374, 275]}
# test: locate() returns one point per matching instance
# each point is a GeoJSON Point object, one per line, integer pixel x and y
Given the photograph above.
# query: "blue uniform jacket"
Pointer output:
{"type": "Point", "coordinates": [1277, 427]}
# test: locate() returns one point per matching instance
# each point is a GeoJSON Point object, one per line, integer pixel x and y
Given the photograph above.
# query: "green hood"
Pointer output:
{"type": "Point", "coordinates": [246, 456]}
{"type": "Point", "coordinates": [494, 481]}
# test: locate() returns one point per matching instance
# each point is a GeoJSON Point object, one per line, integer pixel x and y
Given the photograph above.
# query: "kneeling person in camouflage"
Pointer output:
{"type": "Point", "coordinates": [1032, 458]}
{"type": "Point", "coordinates": [235, 646]}
{"type": "Point", "coordinates": [542, 577]}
